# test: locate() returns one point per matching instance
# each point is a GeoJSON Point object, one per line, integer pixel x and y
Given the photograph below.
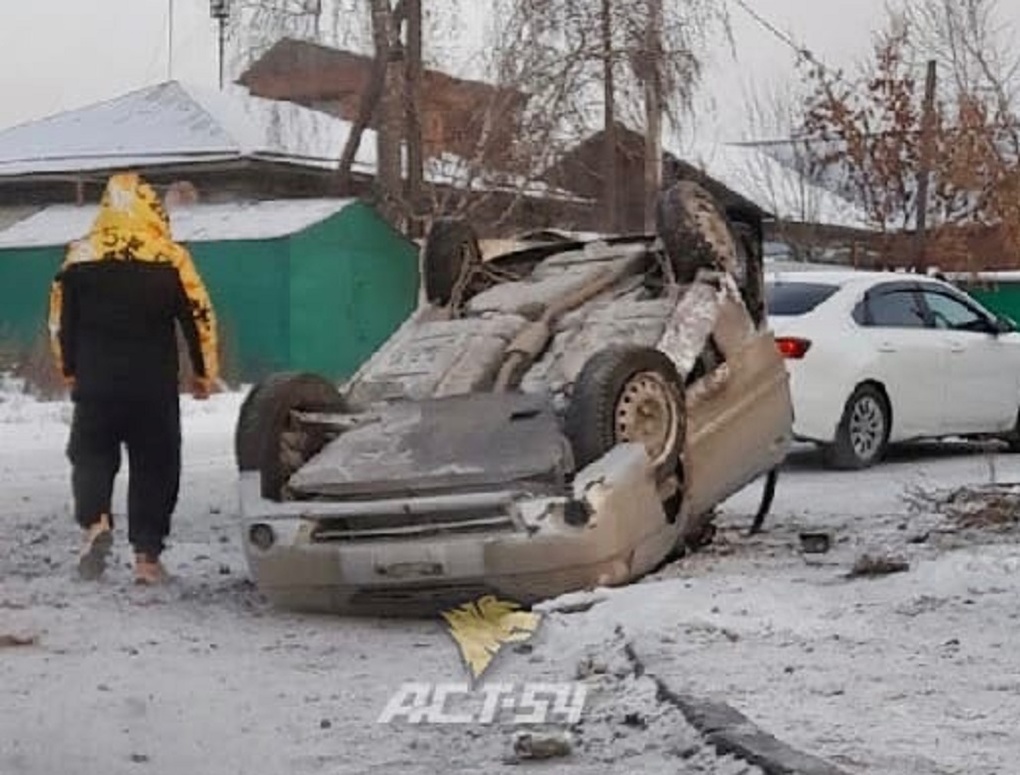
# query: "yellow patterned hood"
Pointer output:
{"type": "Point", "coordinates": [132, 223]}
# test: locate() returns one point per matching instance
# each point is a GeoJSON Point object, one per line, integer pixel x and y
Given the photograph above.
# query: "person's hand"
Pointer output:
{"type": "Point", "coordinates": [201, 388]}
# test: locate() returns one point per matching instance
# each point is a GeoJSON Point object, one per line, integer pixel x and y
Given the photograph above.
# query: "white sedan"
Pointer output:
{"type": "Point", "coordinates": [876, 358]}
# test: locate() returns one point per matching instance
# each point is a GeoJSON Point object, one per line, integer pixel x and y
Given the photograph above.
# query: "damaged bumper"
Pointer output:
{"type": "Point", "coordinates": [416, 555]}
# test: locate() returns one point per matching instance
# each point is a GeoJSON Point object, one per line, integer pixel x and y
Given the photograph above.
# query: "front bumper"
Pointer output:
{"type": "Point", "coordinates": [419, 555]}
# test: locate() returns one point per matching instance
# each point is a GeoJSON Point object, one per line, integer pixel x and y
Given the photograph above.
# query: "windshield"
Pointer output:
{"type": "Point", "coordinates": [796, 298]}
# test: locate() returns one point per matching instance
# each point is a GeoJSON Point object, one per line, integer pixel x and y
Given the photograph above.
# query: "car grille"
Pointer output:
{"type": "Point", "coordinates": [401, 525]}
{"type": "Point", "coordinates": [422, 599]}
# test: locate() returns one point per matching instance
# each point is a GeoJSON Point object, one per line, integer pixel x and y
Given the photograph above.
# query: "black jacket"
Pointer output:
{"type": "Point", "coordinates": [117, 328]}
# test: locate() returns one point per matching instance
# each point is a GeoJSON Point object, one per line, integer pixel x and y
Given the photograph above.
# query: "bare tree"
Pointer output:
{"type": "Point", "coordinates": [582, 60]}
{"type": "Point", "coordinates": [975, 49]}
{"type": "Point", "coordinates": [413, 107]}
{"type": "Point", "coordinates": [652, 78]}
{"type": "Point", "coordinates": [255, 25]}
{"type": "Point", "coordinates": [610, 170]}
{"type": "Point", "coordinates": [779, 165]}
{"type": "Point", "coordinates": [557, 52]}
{"type": "Point", "coordinates": [388, 59]}
{"type": "Point", "coordinates": [872, 129]}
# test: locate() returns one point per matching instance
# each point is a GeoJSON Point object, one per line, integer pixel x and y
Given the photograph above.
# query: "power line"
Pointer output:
{"type": "Point", "coordinates": [785, 38]}
{"type": "Point", "coordinates": [170, 40]}
{"type": "Point", "coordinates": [158, 51]}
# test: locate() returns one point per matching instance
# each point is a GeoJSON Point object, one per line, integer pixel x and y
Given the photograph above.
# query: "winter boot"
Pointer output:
{"type": "Point", "coordinates": [98, 542]}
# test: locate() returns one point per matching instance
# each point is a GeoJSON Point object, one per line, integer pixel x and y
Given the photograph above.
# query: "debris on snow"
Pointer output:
{"type": "Point", "coordinates": [868, 565]}
{"type": "Point", "coordinates": [590, 666]}
{"type": "Point", "coordinates": [18, 641]}
{"type": "Point", "coordinates": [554, 745]}
{"type": "Point", "coordinates": [572, 603]}
{"type": "Point", "coordinates": [815, 543]}
{"type": "Point", "coordinates": [995, 507]}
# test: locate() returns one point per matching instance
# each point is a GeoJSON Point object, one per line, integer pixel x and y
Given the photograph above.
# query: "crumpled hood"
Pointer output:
{"type": "Point", "coordinates": [483, 440]}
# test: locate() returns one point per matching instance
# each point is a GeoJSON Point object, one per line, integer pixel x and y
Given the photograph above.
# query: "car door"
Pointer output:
{"type": "Point", "coordinates": [739, 411]}
{"type": "Point", "coordinates": [982, 384]}
{"type": "Point", "coordinates": [909, 358]}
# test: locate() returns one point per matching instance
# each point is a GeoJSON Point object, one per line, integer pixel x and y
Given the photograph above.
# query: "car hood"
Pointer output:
{"type": "Point", "coordinates": [459, 443]}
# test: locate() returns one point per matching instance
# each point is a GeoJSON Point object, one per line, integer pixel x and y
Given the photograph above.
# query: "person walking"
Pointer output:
{"type": "Point", "coordinates": [114, 309]}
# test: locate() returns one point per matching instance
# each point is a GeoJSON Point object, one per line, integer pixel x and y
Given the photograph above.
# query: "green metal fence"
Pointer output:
{"type": "Point", "coordinates": [322, 299]}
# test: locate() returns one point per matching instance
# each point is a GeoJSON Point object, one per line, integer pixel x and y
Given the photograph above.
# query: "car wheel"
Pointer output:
{"type": "Point", "coordinates": [694, 230]}
{"type": "Point", "coordinates": [263, 438]}
{"type": "Point", "coordinates": [451, 248]}
{"type": "Point", "coordinates": [749, 271]}
{"type": "Point", "coordinates": [1013, 437]}
{"type": "Point", "coordinates": [863, 430]}
{"type": "Point", "coordinates": [628, 394]}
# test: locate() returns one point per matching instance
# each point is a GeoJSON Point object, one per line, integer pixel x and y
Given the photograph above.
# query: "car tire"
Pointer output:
{"type": "Point", "coordinates": [863, 431]}
{"type": "Point", "coordinates": [451, 248]}
{"type": "Point", "coordinates": [1012, 438]}
{"type": "Point", "coordinates": [627, 393]}
{"type": "Point", "coordinates": [259, 437]}
{"type": "Point", "coordinates": [694, 230]}
{"type": "Point", "coordinates": [749, 271]}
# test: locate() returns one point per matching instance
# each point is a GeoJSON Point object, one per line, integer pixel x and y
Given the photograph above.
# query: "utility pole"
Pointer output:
{"type": "Point", "coordinates": [390, 131]}
{"type": "Point", "coordinates": [610, 185]}
{"type": "Point", "coordinates": [653, 111]}
{"type": "Point", "coordinates": [170, 40]}
{"type": "Point", "coordinates": [924, 172]}
{"type": "Point", "coordinates": [413, 68]}
{"type": "Point", "coordinates": [220, 12]}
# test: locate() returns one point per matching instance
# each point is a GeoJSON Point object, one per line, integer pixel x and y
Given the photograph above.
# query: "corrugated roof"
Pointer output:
{"type": "Point", "coordinates": [61, 224]}
{"type": "Point", "coordinates": [173, 123]}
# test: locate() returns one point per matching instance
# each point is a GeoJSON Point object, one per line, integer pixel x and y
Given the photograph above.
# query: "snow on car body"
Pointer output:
{"type": "Point", "coordinates": [567, 422]}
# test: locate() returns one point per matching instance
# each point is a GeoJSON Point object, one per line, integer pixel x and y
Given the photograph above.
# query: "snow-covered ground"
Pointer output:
{"type": "Point", "coordinates": [911, 673]}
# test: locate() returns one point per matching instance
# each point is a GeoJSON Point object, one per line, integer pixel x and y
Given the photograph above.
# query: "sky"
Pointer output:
{"type": "Point", "coordinates": [103, 48]}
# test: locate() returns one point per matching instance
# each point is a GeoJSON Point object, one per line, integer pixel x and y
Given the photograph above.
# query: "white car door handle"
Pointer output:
{"type": "Point", "coordinates": [957, 347]}
{"type": "Point", "coordinates": [886, 347]}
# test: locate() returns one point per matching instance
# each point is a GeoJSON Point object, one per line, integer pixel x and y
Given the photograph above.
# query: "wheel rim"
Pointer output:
{"type": "Point", "coordinates": [647, 413]}
{"type": "Point", "coordinates": [867, 427]}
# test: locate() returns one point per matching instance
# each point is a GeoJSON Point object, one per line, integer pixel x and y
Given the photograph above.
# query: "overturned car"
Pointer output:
{"type": "Point", "coordinates": [562, 416]}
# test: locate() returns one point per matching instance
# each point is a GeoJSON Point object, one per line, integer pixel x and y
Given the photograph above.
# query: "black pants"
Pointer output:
{"type": "Point", "coordinates": [150, 428]}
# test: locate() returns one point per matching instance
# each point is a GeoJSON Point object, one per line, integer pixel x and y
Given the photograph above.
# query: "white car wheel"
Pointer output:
{"type": "Point", "coordinates": [863, 431]}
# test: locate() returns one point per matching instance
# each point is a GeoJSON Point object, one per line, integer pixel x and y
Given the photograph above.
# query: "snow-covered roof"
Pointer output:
{"type": "Point", "coordinates": [773, 186]}
{"type": "Point", "coordinates": [174, 123]}
{"type": "Point", "coordinates": [61, 224]}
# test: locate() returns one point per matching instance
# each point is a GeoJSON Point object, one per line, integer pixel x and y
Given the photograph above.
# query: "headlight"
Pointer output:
{"type": "Point", "coordinates": [262, 536]}
{"type": "Point", "coordinates": [576, 513]}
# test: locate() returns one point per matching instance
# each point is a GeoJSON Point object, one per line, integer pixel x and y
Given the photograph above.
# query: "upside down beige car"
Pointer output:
{"type": "Point", "coordinates": [561, 417]}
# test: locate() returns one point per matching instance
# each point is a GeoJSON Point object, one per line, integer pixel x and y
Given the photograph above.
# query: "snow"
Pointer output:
{"type": "Point", "coordinates": [176, 123]}
{"type": "Point", "coordinates": [60, 224]}
{"type": "Point", "coordinates": [912, 673]}
{"type": "Point", "coordinates": [173, 123]}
